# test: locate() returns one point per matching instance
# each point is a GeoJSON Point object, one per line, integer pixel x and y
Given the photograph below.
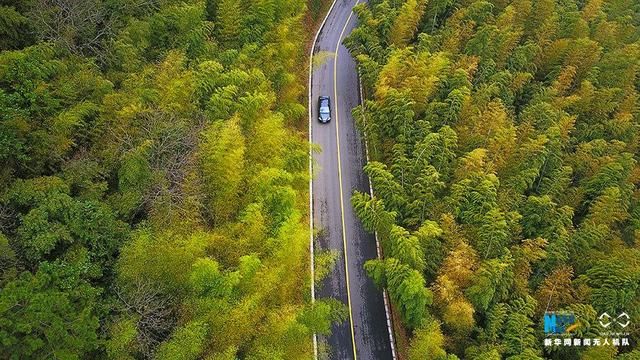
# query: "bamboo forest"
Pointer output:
{"type": "Point", "coordinates": [163, 194]}
{"type": "Point", "coordinates": [153, 181]}
{"type": "Point", "coordinates": [504, 139]}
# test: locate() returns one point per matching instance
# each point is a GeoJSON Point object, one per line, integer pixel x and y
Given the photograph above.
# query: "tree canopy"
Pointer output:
{"type": "Point", "coordinates": [153, 181]}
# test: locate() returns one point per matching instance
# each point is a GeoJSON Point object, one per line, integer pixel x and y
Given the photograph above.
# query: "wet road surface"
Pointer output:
{"type": "Point", "coordinates": [337, 172]}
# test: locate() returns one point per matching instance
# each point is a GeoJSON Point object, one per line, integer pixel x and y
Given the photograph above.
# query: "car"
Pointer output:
{"type": "Point", "coordinates": [324, 109]}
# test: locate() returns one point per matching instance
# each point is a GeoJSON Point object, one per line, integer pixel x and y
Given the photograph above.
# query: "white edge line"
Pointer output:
{"type": "Point", "coordinates": [385, 297]}
{"type": "Point", "coordinates": [311, 247]}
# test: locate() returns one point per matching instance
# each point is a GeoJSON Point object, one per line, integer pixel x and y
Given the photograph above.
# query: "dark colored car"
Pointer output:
{"type": "Point", "coordinates": [324, 109]}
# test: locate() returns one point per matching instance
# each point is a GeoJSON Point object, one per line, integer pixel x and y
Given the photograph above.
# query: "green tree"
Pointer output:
{"type": "Point", "coordinates": [222, 158]}
{"type": "Point", "coordinates": [187, 342]}
{"type": "Point", "coordinates": [228, 16]}
{"type": "Point", "coordinates": [428, 342]}
{"type": "Point", "coordinates": [53, 221]}
{"type": "Point", "coordinates": [491, 282]}
{"type": "Point", "coordinates": [372, 213]}
{"type": "Point", "coordinates": [519, 336]}
{"type": "Point", "coordinates": [15, 27]}
{"type": "Point", "coordinates": [406, 22]}
{"type": "Point", "coordinates": [386, 186]}
{"type": "Point", "coordinates": [321, 314]}
{"type": "Point", "coordinates": [429, 235]}
{"type": "Point", "coordinates": [493, 234]}
{"type": "Point", "coordinates": [405, 248]}
{"type": "Point", "coordinates": [406, 288]}
{"type": "Point", "coordinates": [53, 312]}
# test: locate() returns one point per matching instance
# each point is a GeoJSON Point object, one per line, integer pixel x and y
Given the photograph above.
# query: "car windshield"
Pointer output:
{"type": "Point", "coordinates": [324, 105]}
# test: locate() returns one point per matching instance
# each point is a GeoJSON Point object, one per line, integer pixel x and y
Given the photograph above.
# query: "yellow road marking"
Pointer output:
{"type": "Point", "coordinates": [344, 235]}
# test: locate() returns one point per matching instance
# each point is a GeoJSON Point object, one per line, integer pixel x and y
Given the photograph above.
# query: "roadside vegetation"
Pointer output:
{"type": "Point", "coordinates": [153, 183]}
{"type": "Point", "coordinates": [504, 139]}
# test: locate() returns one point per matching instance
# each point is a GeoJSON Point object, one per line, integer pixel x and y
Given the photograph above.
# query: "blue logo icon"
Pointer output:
{"type": "Point", "coordinates": [558, 322]}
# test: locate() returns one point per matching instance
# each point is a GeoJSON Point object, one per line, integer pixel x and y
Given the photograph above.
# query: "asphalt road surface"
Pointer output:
{"type": "Point", "coordinates": [337, 172]}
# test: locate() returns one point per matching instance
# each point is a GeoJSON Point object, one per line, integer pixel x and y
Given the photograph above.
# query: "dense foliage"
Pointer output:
{"type": "Point", "coordinates": [153, 181]}
{"type": "Point", "coordinates": [504, 138]}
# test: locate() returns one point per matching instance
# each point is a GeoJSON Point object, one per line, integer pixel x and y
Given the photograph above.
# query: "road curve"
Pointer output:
{"type": "Point", "coordinates": [337, 172]}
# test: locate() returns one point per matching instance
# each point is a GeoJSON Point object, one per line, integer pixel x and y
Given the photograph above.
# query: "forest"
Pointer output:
{"type": "Point", "coordinates": [153, 180]}
{"type": "Point", "coordinates": [504, 138]}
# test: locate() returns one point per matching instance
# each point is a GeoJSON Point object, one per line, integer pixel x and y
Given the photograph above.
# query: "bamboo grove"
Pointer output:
{"type": "Point", "coordinates": [504, 139]}
{"type": "Point", "coordinates": [153, 181]}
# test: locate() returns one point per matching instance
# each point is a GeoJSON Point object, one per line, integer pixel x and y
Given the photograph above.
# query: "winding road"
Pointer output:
{"type": "Point", "coordinates": [336, 173]}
